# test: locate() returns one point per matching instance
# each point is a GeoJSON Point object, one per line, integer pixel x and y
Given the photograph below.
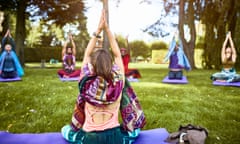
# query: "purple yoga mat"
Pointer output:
{"type": "Point", "coordinates": [175, 81]}
{"type": "Point", "coordinates": [30, 138]}
{"type": "Point", "coordinates": [133, 80]}
{"type": "Point", "coordinates": [237, 84]}
{"type": "Point", "coordinates": [69, 79]}
{"type": "Point", "coordinates": [153, 136]}
{"type": "Point", "coordinates": [10, 79]}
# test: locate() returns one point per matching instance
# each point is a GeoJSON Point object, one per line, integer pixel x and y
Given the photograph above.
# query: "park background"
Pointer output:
{"type": "Point", "coordinates": [42, 103]}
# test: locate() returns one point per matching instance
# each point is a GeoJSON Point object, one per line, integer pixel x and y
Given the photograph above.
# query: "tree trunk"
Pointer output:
{"type": "Point", "coordinates": [208, 47]}
{"type": "Point", "coordinates": [188, 19]}
{"type": "Point", "coordinates": [105, 38]}
{"type": "Point", "coordinates": [219, 17]}
{"type": "Point", "coordinates": [20, 30]}
{"type": "Point", "coordinates": [5, 23]}
{"type": "Point", "coordinates": [237, 34]}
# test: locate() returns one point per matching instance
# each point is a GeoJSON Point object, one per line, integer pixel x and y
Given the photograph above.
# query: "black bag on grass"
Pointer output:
{"type": "Point", "coordinates": [188, 134]}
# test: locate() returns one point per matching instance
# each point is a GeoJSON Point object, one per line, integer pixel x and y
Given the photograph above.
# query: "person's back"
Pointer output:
{"type": "Point", "coordinates": [101, 118]}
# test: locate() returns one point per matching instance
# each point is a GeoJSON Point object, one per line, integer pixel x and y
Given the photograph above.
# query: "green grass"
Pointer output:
{"type": "Point", "coordinates": [42, 103]}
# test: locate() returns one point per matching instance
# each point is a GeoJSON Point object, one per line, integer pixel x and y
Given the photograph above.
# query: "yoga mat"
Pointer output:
{"type": "Point", "coordinates": [30, 138]}
{"type": "Point", "coordinates": [69, 79]}
{"type": "Point", "coordinates": [153, 136]}
{"type": "Point", "coordinates": [175, 81]}
{"type": "Point", "coordinates": [10, 79]}
{"type": "Point", "coordinates": [237, 84]}
{"type": "Point", "coordinates": [133, 80]}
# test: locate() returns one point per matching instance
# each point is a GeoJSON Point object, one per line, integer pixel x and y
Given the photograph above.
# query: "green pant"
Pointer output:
{"type": "Point", "coordinates": [110, 136]}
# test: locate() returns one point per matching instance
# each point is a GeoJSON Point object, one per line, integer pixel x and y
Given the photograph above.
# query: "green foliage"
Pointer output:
{"type": "Point", "coordinates": [34, 33]}
{"type": "Point", "coordinates": [159, 45]}
{"type": "Point", "coordinates": [42, 103]}
{"type": "Point", "coordinates": [59, 11]}
{"type": "Point", "coordinates": [140, 48]}
{"type": "Point", "coordinates": [43, 53]}
{"type": "Point", "coordinates": [122, 42]}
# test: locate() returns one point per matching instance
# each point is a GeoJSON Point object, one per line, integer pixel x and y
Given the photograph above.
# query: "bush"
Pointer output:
{"type": "Point", "coordinates": [140, 48]}
{"type": "Point", "coordinates": [38, 54]}
{"type": "Point", "coordinates": [159, 45]}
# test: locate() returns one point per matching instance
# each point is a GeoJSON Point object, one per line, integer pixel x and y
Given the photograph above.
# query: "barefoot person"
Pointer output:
{"type": "Point", "coordinates": [69, 60]}
{"type": "Point", "coordinates": [228, 57]}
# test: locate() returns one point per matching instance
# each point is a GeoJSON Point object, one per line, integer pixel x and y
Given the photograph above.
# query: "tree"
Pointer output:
{"type": "Point", "coordinates": [158, 45]}
{"type": "Point", "coordinates": [105, 38]}
{"type": "Point", "coordinates": [139, 48]}
{"type": "Point", "coordinates": [219, 17]}
{"type": "Point", "coordinates": [59, 11]}
{"type": "Point", "coordinates": [186, 12]}
{"type": "Point", "coordinates": [187, 17]}
{"type": "Point", "coordinates": [20, 34]}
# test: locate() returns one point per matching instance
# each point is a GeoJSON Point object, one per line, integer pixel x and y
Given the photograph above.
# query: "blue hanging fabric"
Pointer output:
{"type": "Point", "coordinates": [182, 59]}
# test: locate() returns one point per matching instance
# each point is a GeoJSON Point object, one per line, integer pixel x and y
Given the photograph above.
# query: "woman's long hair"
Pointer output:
{"type": "Point", "coordinates": [102, 63]}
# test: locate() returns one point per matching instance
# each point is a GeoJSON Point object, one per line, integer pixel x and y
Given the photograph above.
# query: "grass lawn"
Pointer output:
{"type": "Point", "coordinates": [42, 103]}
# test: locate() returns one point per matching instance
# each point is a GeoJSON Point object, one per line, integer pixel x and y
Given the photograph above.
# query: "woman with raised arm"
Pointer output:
{"type": "Point", "coordinates": [103, 92]}
{"type": "Point", "coordinates": [10, 66]}
{"type": "Point", "coordinates": [69, 60]}
{"type": "Point", "coordinates": [126, 57]}
{"type": "Point", "coordinates": [228, 58]}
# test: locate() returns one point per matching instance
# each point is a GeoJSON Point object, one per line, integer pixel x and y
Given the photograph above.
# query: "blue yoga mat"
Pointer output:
{"type": "Point", "coordinates": [237, 84]}
{"type": "Point", "coordinates": [175, 81]}
{"type": "Point", "coordinates": [10, 79]}
{"type": "Point", "coordinates": [153, 136]}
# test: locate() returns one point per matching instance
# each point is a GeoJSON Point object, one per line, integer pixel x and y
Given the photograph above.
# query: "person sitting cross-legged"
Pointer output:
{"type": "Point", "coordinates": [103, 92]}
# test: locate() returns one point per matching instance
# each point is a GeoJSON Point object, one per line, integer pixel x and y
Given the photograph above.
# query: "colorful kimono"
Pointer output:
{"type": "Point", "coordinates": [69, 62]}
{"type": "Point", "coordinates": [91, 91]}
